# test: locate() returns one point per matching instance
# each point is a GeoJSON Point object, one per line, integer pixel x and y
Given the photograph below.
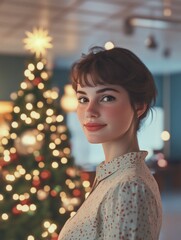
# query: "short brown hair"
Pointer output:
{"type": "Point", "coordinates": [117, 66]}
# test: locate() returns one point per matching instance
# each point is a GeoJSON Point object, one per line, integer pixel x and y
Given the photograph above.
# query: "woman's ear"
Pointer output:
{"type": "Point", "coordinates": [140, 109]}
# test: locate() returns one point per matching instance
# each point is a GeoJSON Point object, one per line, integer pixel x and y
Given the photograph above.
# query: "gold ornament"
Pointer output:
{"type": "Point", "coordinates": [38, 41]}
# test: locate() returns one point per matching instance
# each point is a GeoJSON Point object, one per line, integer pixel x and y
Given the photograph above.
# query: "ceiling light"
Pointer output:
{"type": "Point", "coordinates": [150, 22]}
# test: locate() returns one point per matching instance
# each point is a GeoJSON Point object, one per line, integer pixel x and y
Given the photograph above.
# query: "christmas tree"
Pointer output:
{"type": "Point", "coordinates": [40, 186]}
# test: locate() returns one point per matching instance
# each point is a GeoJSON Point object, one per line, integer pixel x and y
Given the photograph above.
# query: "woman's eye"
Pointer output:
{"type": "Point", "coordinates": [108, 98]}
{"type": "Point", "coordinates": [82, 100]}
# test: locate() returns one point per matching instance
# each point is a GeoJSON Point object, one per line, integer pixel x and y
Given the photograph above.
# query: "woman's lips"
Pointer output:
{"type": "Point", "coordinates": [92, 127]}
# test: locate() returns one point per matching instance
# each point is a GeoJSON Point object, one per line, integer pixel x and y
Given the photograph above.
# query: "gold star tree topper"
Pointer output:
{"type": "Point", "coordinates": [38, 41]}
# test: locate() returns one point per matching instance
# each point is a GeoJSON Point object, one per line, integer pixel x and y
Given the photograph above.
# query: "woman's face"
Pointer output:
{"type": "Point", "coordinates": [105, 112]}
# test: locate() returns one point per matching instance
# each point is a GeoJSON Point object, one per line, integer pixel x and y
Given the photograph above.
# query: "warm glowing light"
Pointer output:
{"type": "Point", "coordinates": [9, 188]}
{"type": "Point", "coordinates": [49, 120]}
{"type": "Point", "coordinates": [86, 183]}
{"type": "Point", "coordinates": [13, 96]}
{"type": "Point", "coordinates": [63, 137]}
{"type": "Point", "coordinates": [69, 100]}
{"type": "Point", "coordinates": [4, 141]}
{"type": "Point", "coordinates": [16, 109]}
{"type": "Point", "coordinates": [165, 135]}
{"type": "Point", "coordinates": [41, 86]}
{"type": "Point", "coordinates": [15, 196]}
{"type": "Point", "coordinates": [1, 197]}
{"type": "Point", "coordinates": [167, 12]}
{"type": "Point", "coordinates": [162, 163]}
{"type": "Point", "coordinates": [62, 210]}
{"type": "Point", "coordinates": [52, 145]}
{"type": "Point", "coordinates": [53, 128]}
{"type": "Point", "coordinates": [13, 135]}
{"type": "Point", "coordinates": [14, 124]}
{"type": "Point", "coordinates": [23, 116]}
{"type": "Point", "coordinates": [4, 216]}
{"type": "Point", "coordinates": [28, 140]}
{"type": "Point", "coordinates": [57, 141]}
{"type": "Point", "coordinates": [44, 234]}
{"type": "Point", "coordinates": [40, 104]}
{"type": "Point", "coordinates": [72, 214]}
{"type": "Point", "coordinates": [23, 85]}
{"type": "Point", "coordinates": [46, 188]}
{"type": "Point", "coordinates": [64, 160]}
{"type": "Point", "coordinates": [55, 153]}
{"type": "Point", "coordinates": [60, 118]}
{"type": "Point", "coordinates": [109, 45]}
{"type": "Point", "coordinates": [40, 126]}
{"type": "Point", "coordinates": [29, 106]}
{"type": "Point", "coordinates": [32, 207]}
{"type": "Point", "coordinates": [40, 65]}
{"type": "Point", "coordinates": [41, 165]}
{"type": "Point", "coordinates": [52, 228]}
{"type": "Point", "coordinates": [36, 172]}
{"type": "Point", "coordinates": [38, 41]}
{"type": "Point", "coordinates": [66, 150]}
{"type": "Point", "coordinates": [44, 75]}
{"type": "Point", "coordinates": [31, 67]}
{"type": "Point", "coordinates": [46, 224]}
{"type": "Point", "coordinates": [33, 190]}
{"type": "Point", "coordinates": [27, 73]}
{"type": "Point", "coordinates": [30, 237]}
{"type": "Point", "coordinates": [31, 77]}
{"type": "Point", "coordinates": [49, 112]}
{"type": "Point", "coordinates": [54, 165]}
{"type": "Point", "coordinates": [5, 107]}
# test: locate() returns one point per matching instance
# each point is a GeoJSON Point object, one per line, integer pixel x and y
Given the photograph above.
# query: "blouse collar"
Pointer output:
{"type": "Point", "coordinates": [123, 162]}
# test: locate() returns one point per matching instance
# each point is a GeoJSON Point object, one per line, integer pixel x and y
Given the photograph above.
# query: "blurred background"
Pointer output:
{"type": "Point", "coordinates": [151, 29]}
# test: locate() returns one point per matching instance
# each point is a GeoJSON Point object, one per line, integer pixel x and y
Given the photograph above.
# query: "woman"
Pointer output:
{"type": "Point", "coordinates": [115, 91]}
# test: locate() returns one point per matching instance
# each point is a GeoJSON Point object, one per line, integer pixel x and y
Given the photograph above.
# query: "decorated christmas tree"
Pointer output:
{"type": "Point", "coordinates": [40, 188]}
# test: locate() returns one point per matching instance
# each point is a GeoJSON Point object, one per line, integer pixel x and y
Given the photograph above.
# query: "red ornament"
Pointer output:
{"type": "Point", "coordinates": [84, 176]}
{"type": "Point", "coordinates": [54, 236]}
{"type": "Point", "coordinates": [36, 182]}
{"type": "Point", "coordinates": [53, 193]}
{"type": "Point", "coordinates": [76, 192]}
{"type": "Point", "coordinates": [39, 158]}
{"type": "Point", "coordinates": [45, 174]}
{"type": "Point", "coordinates": [16, 211]}
{"type": "Point", "coordinates": [36, 81]}
{"type": "Point", "coordinates": [26, 201]}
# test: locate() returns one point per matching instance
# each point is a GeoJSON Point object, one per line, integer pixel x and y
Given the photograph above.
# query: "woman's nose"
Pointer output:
{"type": "Point", "coordinates": [92, 110]}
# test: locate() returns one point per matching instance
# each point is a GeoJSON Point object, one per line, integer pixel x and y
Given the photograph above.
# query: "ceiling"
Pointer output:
{"type": "Point", "coordinates": [77, 25]}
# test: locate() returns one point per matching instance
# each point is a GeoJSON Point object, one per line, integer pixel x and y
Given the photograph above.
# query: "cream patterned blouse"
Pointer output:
{"type": "Point", "coordinates": [124, 204]}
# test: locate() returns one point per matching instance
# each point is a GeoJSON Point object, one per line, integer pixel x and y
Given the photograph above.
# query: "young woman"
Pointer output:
{"type": "Point", "coordinates": [115, 91]}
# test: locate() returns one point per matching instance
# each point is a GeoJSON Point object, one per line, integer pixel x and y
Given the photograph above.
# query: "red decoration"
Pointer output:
{"type": "Point", "coordinates": [54, 236]}
{"type": "Point", "coordinates": [36, 81]}
{"type": "Point", "coordinates": [53, 193]}
{"type": "Point", "coordinates": [26, 201]}
{"type": "Point", "coordinates": [71, 172]}
{"type": "Point", "coordinates": [36, 182]}
{"type": "Point", "coordinates": [76, 192]}
{"type": "Point", "coordinates": [39, 158]}
{"type": "Point", "coordinates": [45, 174]}
{"type": "Point", "coordinates": [16, 211]}
{"type": "Point", "coordinates": [84, 176]}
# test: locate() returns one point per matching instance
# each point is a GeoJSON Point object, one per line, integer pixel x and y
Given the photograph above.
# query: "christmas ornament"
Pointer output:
{"type": "Point", "coordinates": [45, 174]}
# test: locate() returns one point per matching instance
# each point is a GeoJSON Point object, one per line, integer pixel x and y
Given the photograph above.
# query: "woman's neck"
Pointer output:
{"type": "Point", "coordinates": [118, 148]}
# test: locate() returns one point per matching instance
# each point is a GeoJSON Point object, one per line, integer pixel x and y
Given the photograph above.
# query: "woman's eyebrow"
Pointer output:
{"type": "Point", "coordinates": [106, 89]}
{"type": "Point", "coordinates": [81, 92]}
{"type": "Point", "coordinates": [99, 91]}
